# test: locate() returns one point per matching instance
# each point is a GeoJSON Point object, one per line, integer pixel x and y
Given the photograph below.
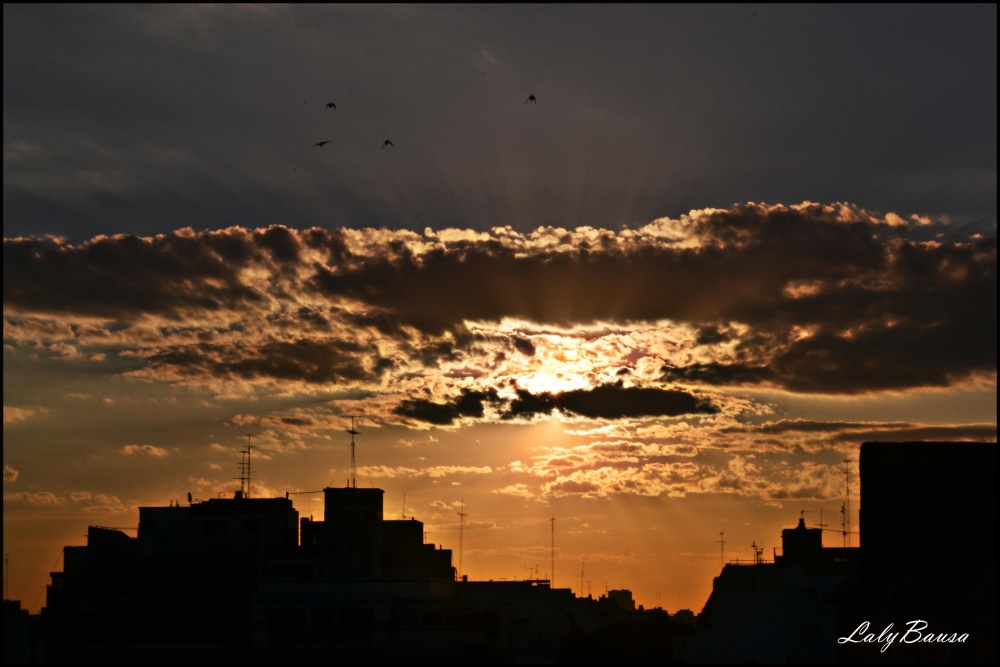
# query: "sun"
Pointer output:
{"type": "Point", "coordinates": [552, 382]}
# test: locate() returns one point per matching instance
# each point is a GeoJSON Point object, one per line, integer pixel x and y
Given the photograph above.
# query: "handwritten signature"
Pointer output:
{"type": "Point", "coordinates": [916, 633]}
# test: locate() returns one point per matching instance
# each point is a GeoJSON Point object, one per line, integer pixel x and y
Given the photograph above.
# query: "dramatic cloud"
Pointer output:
{"type": "Point", "coordinates": [448, 327]}
{"type": "Point", "coordinates": [610, 402]}
{"type": "Point", "coordinates": [124, 276]}
{"type": "Point", "coordinates": [468, 404]}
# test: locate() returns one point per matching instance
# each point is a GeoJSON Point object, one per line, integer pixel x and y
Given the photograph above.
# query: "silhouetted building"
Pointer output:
{"type": "Point", "coordinates": [183, 589]}
{"type": "Point", "coordinates": [623, 598]}
{"type": "Point", "coordinates": [781, 611]}
{"type": "Point", "coordinates": [928, 510]}
{"type": "Point", "coordinates": [231, 580]}
{"type": "Point", "coordinates": [18, 644]}
{"type": "Point", "coordinates": [928, 518]}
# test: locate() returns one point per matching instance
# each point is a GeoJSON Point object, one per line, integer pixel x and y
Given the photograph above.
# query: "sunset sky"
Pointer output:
{"type": "Point", "coordinates": [666, 299]}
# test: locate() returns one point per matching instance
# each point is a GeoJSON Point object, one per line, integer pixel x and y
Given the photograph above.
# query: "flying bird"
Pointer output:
{"type": "Point", "coordinates": [331, 105]}
{"type": "Point", "coordinates": [322, 143]}
{"type": "Point", "coordinates": [531, 98]}
{"type": "Point", "coordinates": [387, 143]}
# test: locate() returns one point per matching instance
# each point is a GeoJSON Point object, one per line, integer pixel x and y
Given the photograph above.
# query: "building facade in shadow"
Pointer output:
{"type": "Point", "coordinates": [245, 580]}
{"type": "Point", "coordinates": [920, 588]}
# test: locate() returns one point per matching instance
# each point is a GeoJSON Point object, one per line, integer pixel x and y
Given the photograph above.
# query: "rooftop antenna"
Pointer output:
{"type": "Point", "coordinates": [353, 483]}
{"type": "Point", "coordinates": [404, 504]}
{"type": "Point", "coordinates": [722, 550]}
{"type": "Point", "coordinates": [461, 532]}
{"type": "Point", "coordinates": [245, 470]}
{"type": "Point", "coordinates": [582, 565]}
{"type": "Point", "coordinates": [552, 576]}
{"type": "Point", "coordinates": [847, 504]}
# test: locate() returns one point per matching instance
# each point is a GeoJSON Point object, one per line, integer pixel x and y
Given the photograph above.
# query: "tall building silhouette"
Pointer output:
{"type": "Point", "coordinates": [928, 528]}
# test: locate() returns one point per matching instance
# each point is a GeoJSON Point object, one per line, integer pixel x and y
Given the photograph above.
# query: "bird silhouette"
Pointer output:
{"type": "Point", "coordinates": [531, 98]}
{"type": "Point", "coordinates": [387, 143]}
{"type": "Point", "coordinates": [322, 143]}
{"type": "Point", "coordinates": [331, 105]}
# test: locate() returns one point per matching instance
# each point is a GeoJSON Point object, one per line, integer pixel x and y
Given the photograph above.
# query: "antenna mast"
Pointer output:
{"type": "Point", "coordinates": [353, 483]}
{"type": "Point", "coordinates": [847, 504]}
{"type": "Point", "coordinates": [461, 532]}
{"type": "Point", "coordinates": [722, 550]}
{"type": "Point", "coordinates": [552, 577]}
{"type": "Point", "coordinates": [245, 470]}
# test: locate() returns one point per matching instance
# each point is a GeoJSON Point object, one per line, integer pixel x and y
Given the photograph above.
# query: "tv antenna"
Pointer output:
{"type": "Point", "coordinates": [353, 482]}
{"type": "Point", "coordinates": [722, 550]}
{"type": "Point", "coordinates": [552, 575]}
{"type": "Point", "coordinates": [461, 531]}
{"type": "Point", "coordinates": [847, 504]}
{"type": "Point", "coordinates": [245, 470]}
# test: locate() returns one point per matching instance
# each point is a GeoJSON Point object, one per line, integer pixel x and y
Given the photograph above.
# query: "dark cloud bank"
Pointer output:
{"type": "Point", "coordinates": [612, 401]}
{"type": "Point", "coordinates": [809, 298]}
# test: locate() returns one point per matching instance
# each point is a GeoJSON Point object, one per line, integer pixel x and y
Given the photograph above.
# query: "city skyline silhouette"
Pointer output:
{"type": "Point", "coordinates": [373, 590]}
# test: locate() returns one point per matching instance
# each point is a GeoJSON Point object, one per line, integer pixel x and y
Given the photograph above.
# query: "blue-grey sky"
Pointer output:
{"type": "Point", "coordinates": [141, 119]}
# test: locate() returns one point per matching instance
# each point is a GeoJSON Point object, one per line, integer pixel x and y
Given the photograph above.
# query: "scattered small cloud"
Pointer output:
{"type": "Point", "coordinates": [149, 450]}
{"type": "Point", "coordinates": [41, 498]}
{"type": "Point", "coordinates": [13, 415]}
